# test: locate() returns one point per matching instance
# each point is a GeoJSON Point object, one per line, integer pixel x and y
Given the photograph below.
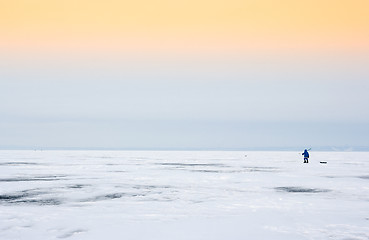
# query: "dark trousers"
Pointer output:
{"type": "Point", "coordinates": [306, 160]}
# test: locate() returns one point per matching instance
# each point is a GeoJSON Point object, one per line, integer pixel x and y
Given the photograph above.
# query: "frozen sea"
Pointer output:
{"type": "Point", "coordinates": [183, 195]}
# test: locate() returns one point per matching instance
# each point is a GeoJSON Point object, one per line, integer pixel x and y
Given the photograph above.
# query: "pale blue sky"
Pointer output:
{"type": "Point", "coordinates": [218, 102]}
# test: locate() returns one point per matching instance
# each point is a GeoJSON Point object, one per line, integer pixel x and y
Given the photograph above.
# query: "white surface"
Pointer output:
{"type": "Point", "coordinates": [183, 195]}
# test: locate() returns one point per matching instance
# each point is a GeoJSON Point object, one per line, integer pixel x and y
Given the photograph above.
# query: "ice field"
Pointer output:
{"type": "Point", "coordinates": [185, 195]}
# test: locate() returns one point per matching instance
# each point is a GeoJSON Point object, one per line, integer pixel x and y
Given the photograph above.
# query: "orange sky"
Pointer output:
{"type": "Point", "coordinates": [198, 25]}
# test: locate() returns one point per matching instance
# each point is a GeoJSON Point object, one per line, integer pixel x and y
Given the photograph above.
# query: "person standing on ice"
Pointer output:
{"type": "Point", "coordinates": [306, 156]}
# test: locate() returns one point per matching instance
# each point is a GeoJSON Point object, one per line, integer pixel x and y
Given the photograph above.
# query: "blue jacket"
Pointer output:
{"type": "Point", "coordinates": [305, 153]}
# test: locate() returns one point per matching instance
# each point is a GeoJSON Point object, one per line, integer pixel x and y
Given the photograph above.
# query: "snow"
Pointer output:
{"type": "Point", "coordinates": [183, 195]}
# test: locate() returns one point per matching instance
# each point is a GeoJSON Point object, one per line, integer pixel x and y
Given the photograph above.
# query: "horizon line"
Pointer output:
{"type": "Point", "coordinates": [318, 148]}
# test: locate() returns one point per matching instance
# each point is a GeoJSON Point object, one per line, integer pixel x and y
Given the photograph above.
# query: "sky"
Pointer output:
{"type": "Point", "coordinates": [189, 74]}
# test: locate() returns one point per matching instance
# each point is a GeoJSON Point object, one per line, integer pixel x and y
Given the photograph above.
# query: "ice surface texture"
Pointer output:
{"type": "Point", "coordinates": [183, 195]}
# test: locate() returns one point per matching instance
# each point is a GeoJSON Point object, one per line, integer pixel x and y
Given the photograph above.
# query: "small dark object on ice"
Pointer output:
{"type": "Point", "coordinates": [323, 162]}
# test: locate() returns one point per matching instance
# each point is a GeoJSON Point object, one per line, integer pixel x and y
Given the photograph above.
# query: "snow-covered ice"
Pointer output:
{"type": "Point", "coordinates": [183, 195]}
